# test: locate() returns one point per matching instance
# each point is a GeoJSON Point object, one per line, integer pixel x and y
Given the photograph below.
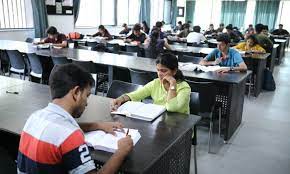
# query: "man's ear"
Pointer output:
{"type": "Point", "coordinates": [75, 92]}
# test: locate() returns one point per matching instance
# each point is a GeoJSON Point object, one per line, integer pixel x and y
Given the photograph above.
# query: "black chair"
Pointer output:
{"type": "Point", "coordinates": [101, 72]}
{"type": "Point", "coordinates": [186, 58]}
{"type": "Point", "coordinates": [113, 48]}
{"type": "Point", "coordinates": [60, 60]}
{"type": "Point", "coordinates": [132, 48]}
{"type": "Point", "coordinates": [141, 77]}
{"type": "Point", "coordinates": [204, 104]}
{"type": "Point", "coordinates": [7, 165]}
{"type": "Point", "coordinates": [29, 40]}
{"type": "Point", "coordinates": [119, 88]}
{"type": "Point", "coordinates": [17, 63]}
{"type": "Point", "coordinates": [36, 68]}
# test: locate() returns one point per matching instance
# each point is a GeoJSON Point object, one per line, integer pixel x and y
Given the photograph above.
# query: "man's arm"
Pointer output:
{"type": "Point", "coordinates": [63, 44]}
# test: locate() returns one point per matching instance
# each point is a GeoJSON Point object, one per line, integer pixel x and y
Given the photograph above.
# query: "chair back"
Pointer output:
{"type": "Point", "coordinates": [29, 40]}
{"type": "Point", "coordinates": [132, 48]}
{"type": "Point", "coordinates": [207, 95]}
{"type": "Point", "coordinates": [141, 77]}
{"type": "Point", "coordinates": [194, 103]}
{"type": "Point", "coordinates": [113, 48]}
{"type": "Point", "coordinates": [60, 60]}
{"type": "Point", "coordinates": [35, 64]}
{"type": "Point", "coordinates": [16, 59]}
{"type": "Point", "coordinates": [186, 58]}
{"type": "Point", "coordinates": [91, 67]}
{"type": "Point", "coordinates": [119, 88]}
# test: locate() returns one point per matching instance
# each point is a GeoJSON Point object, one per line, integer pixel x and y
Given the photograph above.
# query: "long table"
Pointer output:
{"type": "Point", "coordinates": [231, 86]}
{"type": "Point", "coordinates": [165, 145]}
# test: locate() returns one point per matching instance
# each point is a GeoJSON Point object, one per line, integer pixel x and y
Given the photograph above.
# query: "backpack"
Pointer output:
{"type": "Point", "coordinates": [75, 35]}
{"type": "Point", "coordinates": [269, 82]}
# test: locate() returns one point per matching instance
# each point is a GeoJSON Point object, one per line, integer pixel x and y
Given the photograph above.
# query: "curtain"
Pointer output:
{"type": "Point", "coordinates": [145, 11]}
{"type": "Point", "coordinates": [234, 12]}
{"type": "Point", "coordinates": [39, 17]}
{"type": "Point", "coordinates": [174, 12]}
{"type": "Point", "coordinates": [76, 9]}
{"type": "Point", "coordinates": [189, 16]}
{"type": "Point", "coordinates": [266, 12]}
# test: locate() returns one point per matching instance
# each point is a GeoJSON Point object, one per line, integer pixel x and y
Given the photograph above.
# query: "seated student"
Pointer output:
{"type": "Point", "coordinates": [53, 142]}
{"type": "Point", "coordinates": [169, 89]}
{"type": "Point", "coordinates": [103, 32]}
{"type": "Point", "coordinates": [54, 37]}
{"type": "Point", "coordinates": [126, 29]}
{"type": "Point", "coordinates": [156, 45]}
{"type": "Point", "coordinates": [233, 36]}
{"type": "Point", "coordinates": [210, 30]}
{"type": "Point", "coordinates": [251, 44]}
{"type": "Point", "coordinates": [221, 28]}
{"type": "Point", "coordinates": [265, 31]}
{"type": "Point", "coordinates": [158, 27]}
{"type": "Point", "coordinates": [137, 35]}
{"type": "Point", "coordinates": [195, 36]}
{"type": "Point", "coordinates": [223, 55]}
{"type": "Point", "coordinates": [249, 29]}
{"type": "Point", "coordinates": [179, 26]}
{"type": "Point", "coordinates": [263, 40]}
{"type": "Point", "coordinates": [185, 31]}
{"type": "Point", "coordinates": [238, 33]}
{"type": "Point", "coordinates": [145, 27]}
{"type": "Point", "coordinates": [280, 31]}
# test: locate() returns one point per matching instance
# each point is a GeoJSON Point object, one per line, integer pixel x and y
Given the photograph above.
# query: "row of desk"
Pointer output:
{"type": "Point", "coordinates": [165, 145]}
{"type": "Point", "coordinates": [231, 86]}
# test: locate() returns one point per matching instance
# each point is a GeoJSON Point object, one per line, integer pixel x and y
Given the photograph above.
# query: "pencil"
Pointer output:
{"type": "Point", "coordinates": [127, 132]}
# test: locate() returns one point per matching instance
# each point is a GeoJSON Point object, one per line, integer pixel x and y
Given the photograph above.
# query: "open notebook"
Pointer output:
{"type": "Point", "coordinates": [100, 140]}
{"type": "Point", "coordinates": [197, 67]}
{"type": "Point", "coordinates": [139, 110]}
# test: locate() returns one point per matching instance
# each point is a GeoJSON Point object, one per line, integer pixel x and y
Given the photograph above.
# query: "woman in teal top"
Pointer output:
{"type": "Point", "coordinates": [169, 89]}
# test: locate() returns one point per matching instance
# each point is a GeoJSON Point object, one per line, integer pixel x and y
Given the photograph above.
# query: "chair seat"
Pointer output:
{"type": "Point", "coordinates": [17, 70]}
{"type": "Point", "coordinates": [35, 74]}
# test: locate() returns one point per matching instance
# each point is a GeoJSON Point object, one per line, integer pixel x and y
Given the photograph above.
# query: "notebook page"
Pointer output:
{"type": "Point", "coordinates": [148, 111]}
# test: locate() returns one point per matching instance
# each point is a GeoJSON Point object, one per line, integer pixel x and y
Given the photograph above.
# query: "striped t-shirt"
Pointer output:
{"type": "Point", "coordinates": [52, 142]}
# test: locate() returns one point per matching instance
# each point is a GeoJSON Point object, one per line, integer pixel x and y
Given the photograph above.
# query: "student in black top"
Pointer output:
{"type": "Point", "coordinates": [233, 36]}
{"type": "Point", "coordinates": [145, 27]}
{"type": "Point", "coordinates": [136, 35]}
{"type": "Point", "coordinates": [280, 31]}
{"type": "Point", "coordinates": [158, 27]}
{"type": "Point", "coordinates": [179, 26]}
{"type": "Point", "coordinates": [221, 28]}
{"type": "Point", "coordinates": [210, 30]}
{"type": "Point", "coordinates": [103, 32]}
{"type": "Point", "coordinates": [126, 29]}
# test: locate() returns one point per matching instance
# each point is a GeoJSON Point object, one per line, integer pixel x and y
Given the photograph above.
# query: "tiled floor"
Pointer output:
{"type": "Point", "coordinates": [262, 143]}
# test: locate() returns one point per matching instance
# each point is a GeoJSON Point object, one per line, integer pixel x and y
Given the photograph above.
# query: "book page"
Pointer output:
{"type": "Point", "coordinates": [148, 111]}
{"type": "Point", "coordinates": [128, 108]}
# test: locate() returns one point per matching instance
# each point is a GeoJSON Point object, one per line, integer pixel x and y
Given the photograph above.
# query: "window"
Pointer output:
{"type": "Point", "coordinates": [128, 11]}
{"type": "Point", "coordinates": [157, 7]}
{"type": "Point", "coordinates": [15, 14]}
{"type": "Point", "coordinates": [92, 13]}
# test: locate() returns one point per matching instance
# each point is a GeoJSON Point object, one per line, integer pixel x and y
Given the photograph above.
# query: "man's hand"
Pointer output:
{"type": "Point", "coordinates": [224, 70]}
{"type": "Point", "coordinates": [110, 127]}
{"type": "Point", "coordinates": [125, 145]}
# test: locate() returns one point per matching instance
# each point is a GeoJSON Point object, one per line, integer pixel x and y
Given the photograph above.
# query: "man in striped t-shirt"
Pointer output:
{"type": "Point", "coordinates": [53, 142]}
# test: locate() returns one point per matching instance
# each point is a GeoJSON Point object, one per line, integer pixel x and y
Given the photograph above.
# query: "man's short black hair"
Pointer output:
{"type": "Point", "coordinates": [229, 27]}
{"type": "Point", "coordinates": [179, 22]}
{"type": "Point", "coordinates": [51, 30]}
{"type": "Point", "coordinates": [259, 28]}
{"type": "Point", "coordinates": [196, 29]}
{"type": "Point", "coordinates": [281, 25]}
{"type": "Point", "coordinates": [158, 24]}
{"type": "Point", "coordinates": [224, 38]}
{"type": "Point", "coordinates": [101, 27]}
{"type": "Point", "coordinates": [65, 77]}
{"type": "Point", "coordinates": [137, 27]}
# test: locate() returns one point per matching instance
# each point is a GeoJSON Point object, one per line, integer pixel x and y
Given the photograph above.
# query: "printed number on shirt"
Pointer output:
{"type": "Point", "coordinates": [85, 154]}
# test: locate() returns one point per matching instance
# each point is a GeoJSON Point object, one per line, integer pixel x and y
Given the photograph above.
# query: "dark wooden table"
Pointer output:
{"type": "Point", "coordinates": [165, 145]}
{"type": "Point", "coordinates": [281, 49]}
{"type": "Point", "coordinates": [231, 86]}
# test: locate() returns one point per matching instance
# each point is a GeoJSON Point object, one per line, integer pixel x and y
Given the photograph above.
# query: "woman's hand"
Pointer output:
{"type": "Point", "coordinates": [115, 104]}
{"type": "Point", "coordinates": [169, 81]}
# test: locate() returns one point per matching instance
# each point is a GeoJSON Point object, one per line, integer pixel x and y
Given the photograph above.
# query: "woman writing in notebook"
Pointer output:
{"type": "Point", "coordinates": [169, 89]}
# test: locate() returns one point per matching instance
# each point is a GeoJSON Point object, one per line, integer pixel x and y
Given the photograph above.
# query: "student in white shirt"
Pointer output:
{"type": "Point", "coordinates": [195, 36]}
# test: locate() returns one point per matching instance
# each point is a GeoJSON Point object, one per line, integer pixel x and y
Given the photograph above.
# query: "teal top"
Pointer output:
{"type": "Point", "coordinates": [158, 93]}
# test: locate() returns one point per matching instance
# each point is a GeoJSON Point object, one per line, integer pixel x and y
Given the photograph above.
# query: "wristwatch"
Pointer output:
{"type": "Point", "coordinates": [172, 87]}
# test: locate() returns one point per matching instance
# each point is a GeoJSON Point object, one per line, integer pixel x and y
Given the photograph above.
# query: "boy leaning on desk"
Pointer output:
{"type": "Point", "coordinates": [54, 37]}
{"type": "Point", "coordinates": [53, 142]}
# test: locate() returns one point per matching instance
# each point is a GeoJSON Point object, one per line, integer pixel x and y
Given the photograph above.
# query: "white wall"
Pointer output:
{"type": "Point", "coordinates": [18, 35]}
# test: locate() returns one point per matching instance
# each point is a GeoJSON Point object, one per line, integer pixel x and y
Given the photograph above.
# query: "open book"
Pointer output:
{"type": "Point", "coordinates": [196, 67]}
{"type": "Point", "coordinates": [44, 46]}
{"type": "Point", "coordinates": [139, 110]}
{"type": "Point", "coordinates": [100, 140]}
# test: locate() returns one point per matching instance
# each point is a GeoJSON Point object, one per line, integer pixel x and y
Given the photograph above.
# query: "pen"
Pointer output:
{"type": "Point", "coordinates": [127, 132]}
{"type": "Point", "coordinates": [9, 92]}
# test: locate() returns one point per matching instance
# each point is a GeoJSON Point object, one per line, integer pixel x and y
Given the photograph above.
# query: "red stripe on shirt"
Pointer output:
{"type": "Point", "coordinates": [39, 151]}
{"type": "Point", "coordinates": [73, 141]}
